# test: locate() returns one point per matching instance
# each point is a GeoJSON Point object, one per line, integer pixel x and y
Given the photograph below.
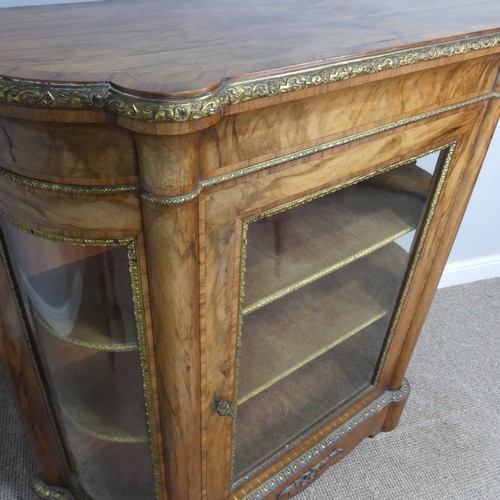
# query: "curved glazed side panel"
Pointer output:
{"type": "Point", "coordinates": [23, 376]}
{"type": "Point", "coordinates": [70, 217]}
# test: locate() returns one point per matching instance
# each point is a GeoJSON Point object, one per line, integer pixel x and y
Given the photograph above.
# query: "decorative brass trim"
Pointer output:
{"type": "Point", "coordinates": [416, 254]}
{"type": "Point", "coordinates": [104, 96]}
{"type": "Point", "coordinates": [344, 70]}
{"type": "Point", "coordinates": [173, 110]}
{"type": "Point", "coordinates": [172, 200]}
{"type": "Point", "coordinates": [326, 444]}
{"type": "Point", "coordinates": [323, 272]}
{"type": "Point", "coordinates": [67, 239]}
{"type": "Point", "coordinates": [309, 476]}
{"type": "Point", "coordinates": [65, 188]}
{"type": "Point", "coordinates": [52, 95]}
{"type": "Point", "coordinates": [97, 346]}
{"type": "Point", "coordinates": [310, 358]}
{"type": "Point", "coordinates": [340, 142]}
{"type": "Point", "coordinates": [137, 295]}
{"type": "Point", "coordinates": [50, 492]}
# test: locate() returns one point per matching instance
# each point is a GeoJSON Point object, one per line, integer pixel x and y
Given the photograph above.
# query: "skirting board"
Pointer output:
{"type": "Point", "coordinates": [466, 271]}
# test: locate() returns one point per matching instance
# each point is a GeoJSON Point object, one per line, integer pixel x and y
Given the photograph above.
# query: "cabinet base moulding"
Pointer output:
{"type": "Point", "coordinates": [331, 448]}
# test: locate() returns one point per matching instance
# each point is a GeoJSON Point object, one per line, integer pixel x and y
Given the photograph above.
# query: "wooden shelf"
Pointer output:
{"type": "Point", "coordinates": [88, 333]}
{"type": "Point", "coordinates": [294, 248]}
{"type": "Point", "coordinates": [282, 337]}
{"type": "Point", "coordinates": [103, 396]}
{"type": "Point", "coordinates": [98, 317]}
{"type": "Point", "coordinates": [292, 407]}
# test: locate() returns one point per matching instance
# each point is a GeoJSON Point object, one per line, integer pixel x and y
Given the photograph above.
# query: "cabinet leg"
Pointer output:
{"type": "Point", "coordinates": [394, 414]}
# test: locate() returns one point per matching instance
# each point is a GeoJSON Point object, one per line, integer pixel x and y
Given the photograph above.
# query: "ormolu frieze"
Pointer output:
{"type": "Point", "coordinates": [46, 95]}
{"type": "Point", "coordinates": [65, 188]}
{"type": "Point", "coordinates": [168, 110]}
{"type": "Point", "coordinates": [35, 94]}
{"type": "Point", "coordinates": [298, 80]}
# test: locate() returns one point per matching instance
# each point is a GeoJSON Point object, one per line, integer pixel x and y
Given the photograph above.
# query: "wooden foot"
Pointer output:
{"type": "Point", "coordinates": [394, 413]}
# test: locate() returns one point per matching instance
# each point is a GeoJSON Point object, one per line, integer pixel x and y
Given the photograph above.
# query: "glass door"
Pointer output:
{"type": "Point", "coordinates": [319, 285]}
{"type": "Point", "coordinates": [83, 315]}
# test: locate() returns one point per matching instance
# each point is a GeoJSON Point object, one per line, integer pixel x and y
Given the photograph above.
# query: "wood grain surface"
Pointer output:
{"type": "Point", "coordinates": [174, 288]}
{"type": "Point", "coordinates": [239, 140]}
{"type": "Point", "coordinates": [168, 47]}
{"type": "Point", "coordinates": [75, 215]}
{"type": "Point", "coordinates": [68, 153]}
{"type": "Point", "coordinates": [168, 164]}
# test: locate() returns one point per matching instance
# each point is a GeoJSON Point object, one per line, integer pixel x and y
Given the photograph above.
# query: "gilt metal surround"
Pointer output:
{"type": "Point", "coordinates": [106, 97]}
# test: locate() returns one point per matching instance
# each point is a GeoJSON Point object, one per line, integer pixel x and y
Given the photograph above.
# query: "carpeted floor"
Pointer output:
{"type": "Point", "coordinates": [447, 445]}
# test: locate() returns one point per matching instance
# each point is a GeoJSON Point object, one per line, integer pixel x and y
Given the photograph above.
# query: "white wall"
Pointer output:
{"type": "Point", "coordinates": [476, 252]}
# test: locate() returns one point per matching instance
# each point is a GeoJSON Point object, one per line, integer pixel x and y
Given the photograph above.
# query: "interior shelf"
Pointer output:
{"type": "Point", "coordinates": [89, 332]}
{"type": "Point", "coordinates": [294, 405]}
{"type": "Point", "coordinates": [279, 339]}
{"type": "Point", "coordinates": [336, 229]}
{"type": "Point", "coordinates": [99, 393]}
{"type": "Point", "coordinates": [107, 405]}
{"type": "Point", "coordinates": [95, 309]}
{"type": "Point", "coordinates": [116, 434]}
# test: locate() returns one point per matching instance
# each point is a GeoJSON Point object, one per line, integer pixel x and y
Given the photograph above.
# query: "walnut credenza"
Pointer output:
{"type": "Point", "coordinates": [222, 228]}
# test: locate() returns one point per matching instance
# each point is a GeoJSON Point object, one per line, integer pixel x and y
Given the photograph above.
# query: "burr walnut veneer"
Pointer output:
{"type": "Point", "coordinates": [222, 226]}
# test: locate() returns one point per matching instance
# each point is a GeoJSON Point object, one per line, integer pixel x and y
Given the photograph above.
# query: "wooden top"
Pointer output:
{"type": "Point", "coordinates": [166, 49]}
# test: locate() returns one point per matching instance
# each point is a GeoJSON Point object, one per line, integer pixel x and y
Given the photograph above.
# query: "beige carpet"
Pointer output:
{"type": "Point", "coordinates": [447, 445]}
